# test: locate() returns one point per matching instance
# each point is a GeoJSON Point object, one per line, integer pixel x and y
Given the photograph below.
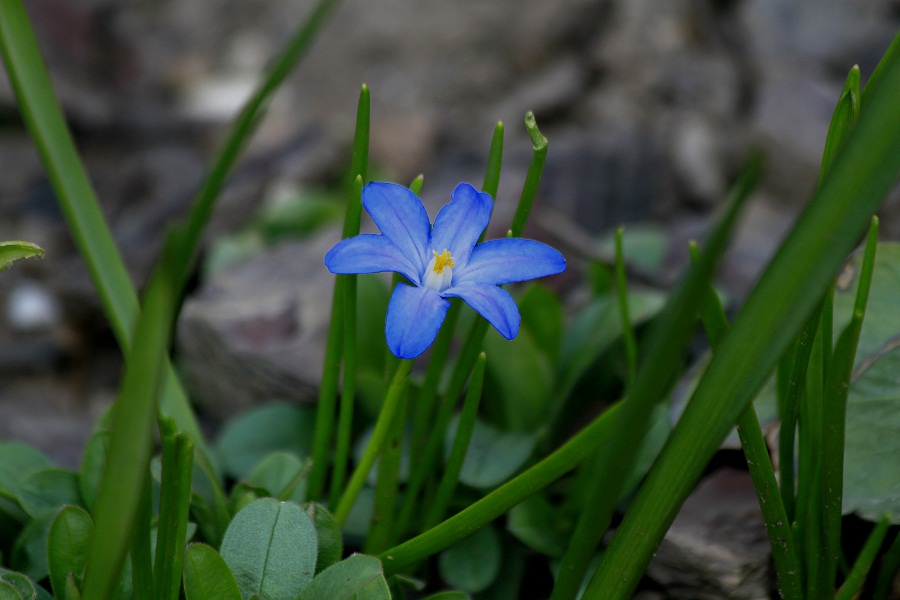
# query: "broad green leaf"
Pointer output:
{"type": "Point", "coordinates": [9, 592]}
{"type": "Point", "coordinates": [29, 551]}
{"type": "Point", "coordinates": [345, 580]}
{"type": "Point", "coordinates": [872, 443]}
{"type": "Point", "coordinates": [17, 461]}
{"type": "Point", "coordinates": [375, 590]}
{"type": "Point", "coordinates": [536, 524]}
{"type": "Point", "coordinates": [331, 546]}
{"type": "Point", "coordinates": [26, 588]}
{"type": "Point", "coordinates": [271, 548]}
{"type": "Point", "coordinates": [543, 318]}
{"type": "Point", "coordinates": [282, 474]}
{"type": "Point", "coordinates": [594, 330]}
{"type": "Point", "coordinates": [518, 388]}
{"type": "Point", "coordinates": [473, 563]}
{"type": "Point", "coordinates": [72, 590]}
{"type": "Point", "coordinates": [93, 462]}
{"type": "Point", "coordinates": [67, 545]}
{"type": "Point", "coordinates": [492, 456]}
{"type": "Point", "coordinates": [207, 576]}
{"type": "Point", "coordinates": [247, 439]}
{"type": "Point", "coordinates": [10, 252]}
{"type": "Point", "coordinates": [48, 489]}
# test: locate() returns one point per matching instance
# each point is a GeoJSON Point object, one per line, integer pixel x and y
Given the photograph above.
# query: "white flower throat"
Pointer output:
{"type": "Point", "coordinates": [439, 272]}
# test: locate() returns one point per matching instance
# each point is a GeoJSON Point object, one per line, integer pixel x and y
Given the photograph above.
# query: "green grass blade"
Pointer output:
{"type": "Point", "coordinates": [785, 553]}
{"type": "Point", "coordinates": [887, 570]}
{"type": "Point", "coordinates": [844, 119]}
{"type": "Point", "coordinates": [335, 349]}
{"type": "Point", "coordinates": [474, 517]}
{"type": "Point", "coordinates": [666, 347]}
{"type": "Point", "coordinates": [495, 160]}
{"type": "Point", "coordinates": [790, 288]}
{"type": "Point", "coordinates": [384, 514]}
{"type": "Point", "coordinates": [533, 178]}
{"type": "Point", "coordinates": [837, 386]}
{"type": "Point", "coordinates": [174, 501]}
{"type": "Point", "coordinates": [376, 442]}
{"type": "Point", "coordinates": [131, 438]}
{"type": "Point", "coordinates": [461, 440]}
{"type": "Point", "coordinates": [627, 330]}
{"type": "Point", "coordinates": [850, 589]}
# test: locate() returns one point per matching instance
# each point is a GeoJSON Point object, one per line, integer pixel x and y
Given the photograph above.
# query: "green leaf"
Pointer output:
{"type": "Point", "coordinates": [282, 474]}
{"type": "Point", "coordinates": [331, 545]}
{"type": "Point", "coordinates": [17, 461]}
{"type": "Point", "coordinates": [29, 552]}
{"type": "Point", "coordinates": [449, 596]}
{"type": "Point", "coordinates": [492, 456]}
{"type": "Point", "coordinates": [346, 580]}
{"type": "Point", "coordinates": [10, 252]}
{"type": "Point", "coordinates": [8, 591]}
{"type": "Point", "coordinates": [644, 247]}
{"type": "Point", "coordinates": [67, 546]}
{"type": "Point", "coordinates": [536, 524]}
{"type": "Point", "coordinates": [48, 489]}
{"type": "Point", "coordinates": [207, 576]}
{"type": "Point", "coordinates": [871, 473]}
{"type": "Point", "coordinates": [93, 461]}
{"type": "Point", "coordinates": [473, 563]}
{"type": "Point", "coordinates": [246, 440]}
{"type": "Point", "coordinates": [271, 548]}
{"type": "Point", "coordinates": [543, 318]}
{"type": "Point", "coordinates": [24, 586]}
{"type": "Point", "coordinates": [72, 591]}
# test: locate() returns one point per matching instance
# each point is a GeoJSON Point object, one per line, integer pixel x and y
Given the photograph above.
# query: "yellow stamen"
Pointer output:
{"type": "Point", "coordinates": [442, 261]}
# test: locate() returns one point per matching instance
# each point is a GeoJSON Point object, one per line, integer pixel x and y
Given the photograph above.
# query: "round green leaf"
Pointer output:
{"type": "Point", "coordinates": [67, 545]}
{"type": "Point", "coordinates": [250, 437]}
{"type": "Point", "coordinates": [10, 252]}
{"type": "Point", "coordinates": [271, 548]}
{"type": "Point", "coordinates": [472, 564]}
{"type": "Point", "coordinates": [24, 586]}
{"type": "Point", "coordinates": [346, 580]}
{"type": "Point", "coordinates": [207, 576]}
{"type": "Point", "coordinates": [282, 474]}
{"type": "Point", "coordinates": [48, 489]}
{"type": "Point", "coordinates": [328, 532]}
{"type": "Point", "coordinates": [9, 592]}
{"type": "Point", "coordinates": [534, 523]}
{"type": "Point", "coordinates": [492, 456]}
{"type": "Point", "coordinates": [17, 461]}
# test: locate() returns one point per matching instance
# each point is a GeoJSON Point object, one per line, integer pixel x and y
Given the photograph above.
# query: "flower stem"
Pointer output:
{"type": "Point", "coordinates": [382, 427]}
{"type": "Point", "coordinates": [460, 445]}
{"type": "Point", "coordinates": [622, 293]}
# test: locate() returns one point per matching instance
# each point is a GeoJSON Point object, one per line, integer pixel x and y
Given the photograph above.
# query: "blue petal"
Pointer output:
{"type": "Point", "coordinates": [492, 303]}
{"type": "Point", "coordinates": [511, 259]}
{"type": "Point", "coordinates": [369, 253]}
{"type": "Point", "coordinates": [414, 317]}
{"type": "Point", "coordinates": [460, 223]}
{"type": "Point", "coordinates": [402, 219]}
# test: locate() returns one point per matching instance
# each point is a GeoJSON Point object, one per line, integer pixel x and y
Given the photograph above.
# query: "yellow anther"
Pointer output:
{"type": "Point", "coordinates": [442, 261]}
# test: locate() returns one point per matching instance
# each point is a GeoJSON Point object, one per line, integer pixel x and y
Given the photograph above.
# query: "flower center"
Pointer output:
{"type": "Point", "coordinates": [442, 261]}
{"type": "Point", "coordinates": [439, 271]}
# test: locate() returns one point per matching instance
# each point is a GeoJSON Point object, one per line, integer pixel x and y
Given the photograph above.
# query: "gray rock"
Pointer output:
{"type": "Point", "coordinates": [717, 546]}
{"type": "Point", "coordinates": [257, 331]}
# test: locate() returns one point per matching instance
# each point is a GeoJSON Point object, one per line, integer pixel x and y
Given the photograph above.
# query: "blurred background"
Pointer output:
{"type": "Point", "coordinates": [649, 107]}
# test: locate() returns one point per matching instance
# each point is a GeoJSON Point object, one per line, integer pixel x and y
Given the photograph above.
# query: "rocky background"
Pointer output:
{"type": "Point", "coordinates": [649, 108]}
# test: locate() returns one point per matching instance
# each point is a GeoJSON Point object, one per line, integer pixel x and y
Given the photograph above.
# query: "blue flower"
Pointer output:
{"type": "Point", "coordinates": [441, 262]}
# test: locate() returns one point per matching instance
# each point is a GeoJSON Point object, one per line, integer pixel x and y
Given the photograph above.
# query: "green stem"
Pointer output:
{"type": "Point", "coordinates": [495, 160]}
{"type": "Point", "coordinates": [384, 512]}
{"type": "Point", "coordinates": [533, 178]}
{"type": "Point", "coordinates": [499, 501]}
{"type": "Point", "coordinates": [461, 441]}
{"type": "Point", "coordinates": [785, 552]}
{"type": "Point", "coordinates": [887, 571]}
{"type": "Point", "coordinates": [865, 560]}
{"type": "Point", "coordinates": [382, 427]}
